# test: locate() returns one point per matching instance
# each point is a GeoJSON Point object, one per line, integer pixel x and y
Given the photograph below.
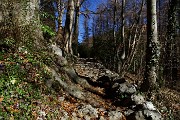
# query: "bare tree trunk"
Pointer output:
{"type": "Point", "coordinates": [22, 22]}
{"type": "Point", "coordinates": [68, 27]}
{"type": "Point", "coordinates": [61, 8]}
{"type": "Point", "coordinates": [114, 35]}
{"type": "Point", "coordinates": [76, 28]}
{"type": "Point", "coordinates": [152, 48]}
{"type": "Point", "coordinates": [123, 55]}
{"type": "Point", "coordinates": [121, 58]}
{"type": "Point", "coordinates": [178, 18]}
{"type": "Point", "coordinates": [60, 33]}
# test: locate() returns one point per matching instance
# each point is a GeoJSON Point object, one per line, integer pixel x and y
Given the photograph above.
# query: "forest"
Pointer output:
{"type": "Point", "coordinates": [89, 60]}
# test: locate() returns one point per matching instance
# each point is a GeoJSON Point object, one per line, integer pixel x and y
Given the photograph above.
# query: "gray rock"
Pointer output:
{"type": "Point", "coordinates": [65, 115]}
{"type": "Point", "coordinates": [102, 118]}
{"type": "Point", "coordinates": [115, 115]}
{"type": "Point", "coordinates": [137, 98]}
{"type": "Point", "coordinates": [152, 115]}
{"type": "Point", "coordinates": [75, 118]}
{"type": "Point", "coordinates": [145, 115]}
{"type": "Point", "coordinates": [61, 61]}
{"type": "Point", "coordinates": [56, 50]}
{"type": "Point", "coordinates": [128, 112]}
{"type": "Point", "coordinates": [149, 105]}
{"type": "Point", "coordinates": [87, 117]}
{"type": "Point", "coordinates": [88, 110]}
{"type": "Point", "coordinates": [139, 116]}
{"type": "Point", "coordinates": [126, 88]}
{"type": "Point", "coordinates": [74, 114]}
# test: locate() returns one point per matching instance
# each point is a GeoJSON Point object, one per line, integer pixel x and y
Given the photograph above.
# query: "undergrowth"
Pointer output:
{"type": "Point", "coordinates": [22, 84]}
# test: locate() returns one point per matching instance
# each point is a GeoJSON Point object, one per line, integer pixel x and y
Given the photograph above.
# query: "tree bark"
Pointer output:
{"type": "Point", "coordinates": [114, 35]}
{"type": "Point", "coordinates": [60, 12]}
{"type": "Point", "coordinates": [152, 49]}
{"type": "Point", "coordinates": [22, 22]}
{"type": "Point", "coordinates": [76, 27]}
{"type": "Point", "coordinates": [68, 27]}
{"type": "Point", "coordinates": [121, 57]}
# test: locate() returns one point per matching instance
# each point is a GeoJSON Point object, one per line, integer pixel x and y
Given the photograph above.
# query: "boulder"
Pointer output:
{"type": "Point", "coordinates": [115, 115]}
{"type": "Point", "coordinates": [137, 99]}
{"type": "Point", "coordinates": [56, 50]}
{"type": "Point", "coordinates": [123, 88]}
{"type": "Point", "coordinates": [88, 111]}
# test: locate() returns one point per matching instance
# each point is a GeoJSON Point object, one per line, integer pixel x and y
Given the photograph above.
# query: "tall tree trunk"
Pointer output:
{"type": "Point", "coordinates": [114, 35]}
{"type": "Point", "coordinates": [59, 37]}
{"type": "Point", "coordinates": [61, 8]}
{"type": "Point", "coordinates": [123, 55]}
{"type": "Point", "coordinates": [178, 17]}
{"type": "Point", "coordinates": [120, 59]}
{"type": "Point", "coordinates": [22, 22]}
{"type": "Point", "coordinates": [76, 27]}
{"type": "Point", "coordinates": [152, 49]}
{"type": "Point", "coordinates": [68, 27]}
{"type": "Point", "coordinates": [114, 22]}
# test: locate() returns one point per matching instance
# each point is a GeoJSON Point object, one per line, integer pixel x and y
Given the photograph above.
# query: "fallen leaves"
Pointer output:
{"type": "Point", "coordinates": [1, 99]}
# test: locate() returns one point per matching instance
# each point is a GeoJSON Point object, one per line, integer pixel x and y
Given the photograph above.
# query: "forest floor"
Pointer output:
{"type": "Point", "coordinates": [24, 94]}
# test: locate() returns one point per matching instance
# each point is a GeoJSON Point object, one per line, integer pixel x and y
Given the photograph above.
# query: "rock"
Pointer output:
{"type": "Point", "coordinates": [56, 50]}
{"type": "Point", "coordinates": [152, 115]}
{"type": "Point", "coordinates": [74, 118]}
{"type": "Point", "coordinates": [92, 70]}
{"type": "Point", "coordinates": [124, 93]}
{"type": "Point", "coordinates": [124, 88]}
{"type": "Point", "coordinates": [131, 89]}
{"type": "Point", "coordinates": [139, 116]}
{"type": "Point", "coordinates": [115, 115]}
{"type": "Point", "coordinates": [149, 106]}
{"type": "Point", "coordinates": [86, 117]}
{"type": "Point", "coordinates": [137, 99]}
{"type": "Point", "coordinates": [128, 112]}
{"type": "Point", "coordinates": [144, 115]}
{"type": "Point", "coordinates": [136, 116]}
{"type": "Point", "coordinates": [61, 61]}
{"type": "Point", "coordinates": [74, 114]}
{"type": "Point", "coordinates": [102, 118]}
{"type": "Point", "coordinates": [42, 115]}
{"type": "Point", "coordinates": [88, 110]}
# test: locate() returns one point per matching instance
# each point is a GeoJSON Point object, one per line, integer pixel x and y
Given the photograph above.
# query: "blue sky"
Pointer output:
{"type": "Point", "coordinates": [93, 4]}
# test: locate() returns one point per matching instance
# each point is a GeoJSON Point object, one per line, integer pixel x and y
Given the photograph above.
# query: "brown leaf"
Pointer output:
{"type": "Point", "coordinates": [1, 99]}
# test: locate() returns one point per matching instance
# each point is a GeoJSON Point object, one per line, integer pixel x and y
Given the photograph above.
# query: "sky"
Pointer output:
{"type": "Point", "coordinates": [92, 5]}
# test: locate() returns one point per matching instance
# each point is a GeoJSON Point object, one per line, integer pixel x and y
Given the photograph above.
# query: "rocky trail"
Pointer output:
{"type": "Point", "coordinates": [85, 90]}
{"type": "Point", "coordinates": [110, 97]}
